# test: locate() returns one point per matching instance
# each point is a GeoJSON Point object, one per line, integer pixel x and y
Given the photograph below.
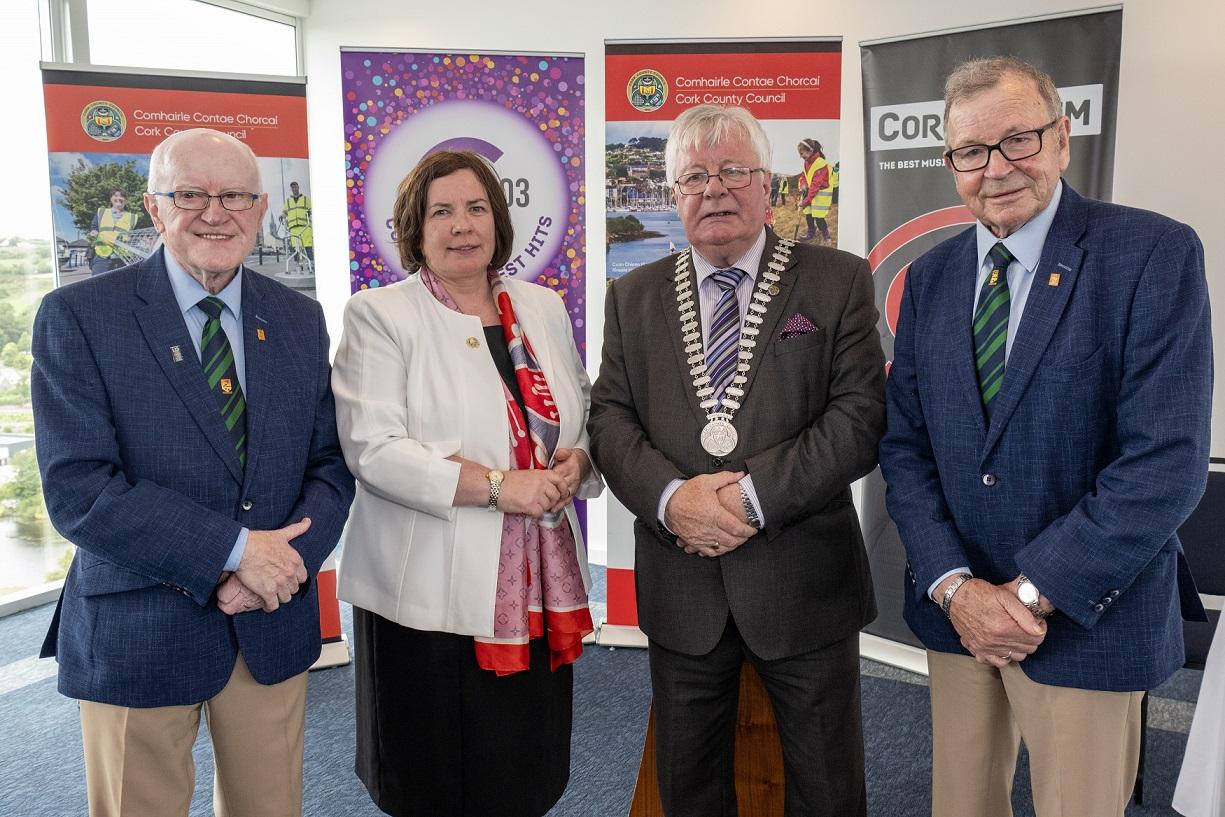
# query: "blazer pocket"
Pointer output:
{"type": "Point", "coordinates": [102, 578]}
{"type": "Point", "coordinates": [799, 343]}
{"type": "Point", "coordinates": [1073, 368]}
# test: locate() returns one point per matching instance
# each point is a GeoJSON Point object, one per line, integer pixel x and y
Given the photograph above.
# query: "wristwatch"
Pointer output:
{"type": "Point", "coordinates": [495, 478]}
{"type": "Point", "coordinates": [947, 601]}
{"type": "Point", "coordinates": [1029, 595]}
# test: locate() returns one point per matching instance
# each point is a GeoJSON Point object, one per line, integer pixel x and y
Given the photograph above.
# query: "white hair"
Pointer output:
{"type": "Point", "coordinates": [712, 124]}
{"type": "Point", "coordinates": [161, 160]}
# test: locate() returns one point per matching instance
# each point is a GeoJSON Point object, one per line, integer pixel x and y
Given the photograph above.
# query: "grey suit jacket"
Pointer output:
{"type": "Point", "coordinates": [810, 422]}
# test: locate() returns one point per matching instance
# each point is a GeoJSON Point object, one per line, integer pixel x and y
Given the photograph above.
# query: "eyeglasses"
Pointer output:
{"type": "Point", "coordinates": [1013, 148]}
{"type": "Point", "coordinates": [733, 178]}
{"type": "Point", "coordinates": [197, 200]}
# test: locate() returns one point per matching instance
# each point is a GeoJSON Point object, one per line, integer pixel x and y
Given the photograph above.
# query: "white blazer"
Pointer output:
{"type": "Point", "coordinates": [415, 384]}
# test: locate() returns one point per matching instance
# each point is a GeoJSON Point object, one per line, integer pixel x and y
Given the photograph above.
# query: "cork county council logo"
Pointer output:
{"type": "Point", "coordinates": [647, 90]}
{"type": "Point", "coordinates": [103, 121]}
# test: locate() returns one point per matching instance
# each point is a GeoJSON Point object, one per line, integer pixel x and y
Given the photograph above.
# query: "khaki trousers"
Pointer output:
{"type": "Point", "coordinates": [1083, 744]}
{"type": "Point", "coordinates": [138, 762]}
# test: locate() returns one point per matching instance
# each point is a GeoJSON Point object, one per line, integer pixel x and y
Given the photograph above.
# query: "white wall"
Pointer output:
{"type": "Point", "coordinates": [1169, 151]}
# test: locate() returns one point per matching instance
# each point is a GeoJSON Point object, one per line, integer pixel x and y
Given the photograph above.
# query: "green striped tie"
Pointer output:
{"type": "Point", "coordinates": [217, 357]}
{"type": "Point", "coordinates": [991, 326]}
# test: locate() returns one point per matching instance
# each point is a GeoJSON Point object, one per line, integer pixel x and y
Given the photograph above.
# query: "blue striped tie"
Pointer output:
{"type": "Point", "coordinates": [722, 345]}
{"type": "Point", "coordinates": [217, 358]}
{"type": "Point", "coordinates": [991, 326]}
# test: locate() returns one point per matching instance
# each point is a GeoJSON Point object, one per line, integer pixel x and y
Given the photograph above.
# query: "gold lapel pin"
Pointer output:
{"type": "Point", "coordinates": [474, 343]}
{"type": "Point", "coordinates": [259, 333]}
{"type": "Point", "coordinates": [1053, 281]}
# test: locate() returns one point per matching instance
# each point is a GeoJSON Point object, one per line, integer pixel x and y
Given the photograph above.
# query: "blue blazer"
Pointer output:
{"type": "Point", "coordinates": [139, 472]}
{"type": "Point", "coordinates": [1096, 452]}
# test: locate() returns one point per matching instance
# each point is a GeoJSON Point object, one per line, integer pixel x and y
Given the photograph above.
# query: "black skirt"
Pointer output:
{"type": "Point", "coordinates": [437, 736]}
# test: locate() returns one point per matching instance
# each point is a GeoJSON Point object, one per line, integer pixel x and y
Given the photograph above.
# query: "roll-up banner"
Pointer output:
{"type": "Point", "coordinates": [794, 87]}
{"type": "Point", "coordinates": [913, 206]}
{"type": "Point", "coordinates": [103, 124]}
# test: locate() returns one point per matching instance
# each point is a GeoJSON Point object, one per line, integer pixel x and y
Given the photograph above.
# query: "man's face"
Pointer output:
{"type": "Point", "coordinates": [209, 243]}
{"type": "Point", "coordinates": [293, 188]}
{"type": "Point", "coordinates": [118, 200]}
{"type": "Point", "coordinates": [722, 224]}
{"type": "Point", "coordinates": [1005, 194]}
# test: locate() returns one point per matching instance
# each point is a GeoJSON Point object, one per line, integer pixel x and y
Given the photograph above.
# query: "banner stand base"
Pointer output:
{"type": "Point", "coordinates": [334, 654]}
{"type": "Point", "coordinates": [621, 635]}
{"type": "Point", "coordinates": [893, 653]}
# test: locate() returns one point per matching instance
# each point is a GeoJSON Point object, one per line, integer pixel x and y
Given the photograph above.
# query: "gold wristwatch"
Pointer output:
{"type": "Point", "coordinates": [495, 478]}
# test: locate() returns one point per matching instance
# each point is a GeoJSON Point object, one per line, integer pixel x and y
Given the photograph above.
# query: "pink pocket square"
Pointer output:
{"type": "Point", "coordinates": [795, 326]}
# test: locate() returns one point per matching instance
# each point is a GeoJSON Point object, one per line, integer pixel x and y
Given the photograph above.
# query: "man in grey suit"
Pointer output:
{"type": "Point", "coordinates": [740, 393]}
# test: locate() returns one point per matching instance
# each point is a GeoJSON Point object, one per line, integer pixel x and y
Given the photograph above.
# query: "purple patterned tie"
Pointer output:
{"type": "Point", "coordinates": [722, 345]}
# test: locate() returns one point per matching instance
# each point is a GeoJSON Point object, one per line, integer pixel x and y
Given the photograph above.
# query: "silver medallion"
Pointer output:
{"type": "Point", "coordinates": [719, 437]}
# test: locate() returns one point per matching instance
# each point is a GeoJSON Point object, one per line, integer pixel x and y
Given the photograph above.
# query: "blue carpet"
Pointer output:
{"type": "Point", "coordinates": [41, 770]}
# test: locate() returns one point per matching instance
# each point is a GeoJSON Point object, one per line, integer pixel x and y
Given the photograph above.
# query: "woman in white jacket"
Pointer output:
{"type": "Point", "coordinates": [461, 402]}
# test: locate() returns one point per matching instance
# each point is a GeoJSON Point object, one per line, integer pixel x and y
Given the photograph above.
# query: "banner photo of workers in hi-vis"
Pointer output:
{"type": "Point", "coordinates": [524, 113]}
{"type": "Point", "coordinates": [913, 205]}
{"type": "Point", "coordinates": [794, 88]}
{"type": "Point", "coordinates": [102, 125]}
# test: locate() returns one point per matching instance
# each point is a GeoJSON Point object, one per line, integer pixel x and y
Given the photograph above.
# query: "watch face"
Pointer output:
{"type": "Point", "coordinates": [1027, 593]}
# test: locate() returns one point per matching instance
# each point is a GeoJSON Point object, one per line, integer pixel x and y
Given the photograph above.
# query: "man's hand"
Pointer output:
{"type": "Point", "coordinates": [731, 499]}
{"type": "Point", "coordinates": [234, 597]}
{"type": "Point", "coordinates": [993, 623]}
{"type": "Point", "coordinates": [1044, 604]}
{"type": "Point", "coordinates": [701, 524]}
{"type": "Point", "coordinates": [271, 567]}
{"type": "Point", "coordinates": [573, 466]}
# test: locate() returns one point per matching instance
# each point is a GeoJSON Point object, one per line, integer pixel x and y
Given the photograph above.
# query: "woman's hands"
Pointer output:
{"type": "Point", "coordinates": [573, 466]}
{"type": "Point", "coordinates": [532, 492]}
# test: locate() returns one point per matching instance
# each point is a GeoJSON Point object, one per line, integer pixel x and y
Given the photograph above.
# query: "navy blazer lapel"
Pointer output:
{"type": "Point", "coordinates": [256, 331]}
{"type": "Point", "coordinates": [774, 310]}
{"type": "Point", "coordinates": [953, 297]}
{"type": "Point", "coordinates": [1043, 308]}
{"type": "Point", "coordinates": [162, 324]}
{"type": "Point", "coordinates": [672, 321]}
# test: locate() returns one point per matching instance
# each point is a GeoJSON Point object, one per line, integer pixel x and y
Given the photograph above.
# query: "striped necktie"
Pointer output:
{"type": "Point", "coordinates": [991, 326]}
{"type": "Point", "coordinates": [217, 358]}
{"type": "Point", "coordinates": [723, 342]}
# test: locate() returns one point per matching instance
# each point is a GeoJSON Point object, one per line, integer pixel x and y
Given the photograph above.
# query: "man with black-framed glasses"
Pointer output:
{"type": "Point", "coordinates": [740, 393]}
{"type": "Point", "coordinates": [186, 436]}
{"type": "Point", "coordinates": [1048, 421]}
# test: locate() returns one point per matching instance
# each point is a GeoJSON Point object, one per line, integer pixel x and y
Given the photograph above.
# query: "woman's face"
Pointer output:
{"type": "Point", "coordinates": [118, 200]}
{"type": "Point", "coordinates": [804, 151]}
{"type": "Point", "coordinates": [458, 237]}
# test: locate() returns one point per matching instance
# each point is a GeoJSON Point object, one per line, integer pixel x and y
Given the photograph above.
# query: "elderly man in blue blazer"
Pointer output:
{"type": "Point", "coordinates": [187, 441]}
{"type": "Point", "coordinates": [1048, 424]}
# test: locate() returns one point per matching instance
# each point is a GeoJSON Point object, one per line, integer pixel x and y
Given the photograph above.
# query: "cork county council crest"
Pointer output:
{"type": "Point", "coordinates": [103, 121]}
{"type": "Point", "coordinates": [647, 90]}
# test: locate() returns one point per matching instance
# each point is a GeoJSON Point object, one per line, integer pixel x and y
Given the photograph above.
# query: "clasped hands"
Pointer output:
{"type": "Point", "coordinates": [535, 492]}
{"type": "Point", "coordinates": [993, 624]}
{"type": "Point", "coordinates": [707, 514]}
{"type": "Point", "coordinates": [270, 572]}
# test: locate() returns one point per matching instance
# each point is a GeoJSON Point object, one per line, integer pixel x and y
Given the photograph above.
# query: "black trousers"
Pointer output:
{"type": "Point", "coordinates": [437, 736]}
{"type": "Point", "coordinates": [815, 697]}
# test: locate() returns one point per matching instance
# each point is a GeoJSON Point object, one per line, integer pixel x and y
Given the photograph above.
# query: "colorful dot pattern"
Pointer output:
{"type": "Point", "coordinates": [383, 89]}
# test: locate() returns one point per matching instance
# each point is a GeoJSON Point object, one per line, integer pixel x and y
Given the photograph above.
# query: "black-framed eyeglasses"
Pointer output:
{"type": "Point", "coordinates": [234, 200]}
{"type": "Point", "coordinates": [732, 178]}
{"type": "Point", "coordinates": [1013, 148]}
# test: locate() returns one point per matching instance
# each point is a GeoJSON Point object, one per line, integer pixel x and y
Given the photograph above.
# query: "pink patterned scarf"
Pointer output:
{"type": "Point", "coordinates": [540, 586]}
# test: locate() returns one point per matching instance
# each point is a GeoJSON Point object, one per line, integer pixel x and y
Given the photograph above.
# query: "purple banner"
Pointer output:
{"type": "Point", "coordinates": [523, 113]}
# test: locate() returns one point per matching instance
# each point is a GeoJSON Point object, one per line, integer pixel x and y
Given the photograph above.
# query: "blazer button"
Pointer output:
{"type": "Point", "coordinates": [1114, 594]}
{"type": "Point", "coordinates": [989, 480]}
{"type": "Point", "coordinates": [1106, 601]}
{"type": "Point", "coordinates": [1097, 608]}
{"type": "Point", "coordinates": [247, 505]}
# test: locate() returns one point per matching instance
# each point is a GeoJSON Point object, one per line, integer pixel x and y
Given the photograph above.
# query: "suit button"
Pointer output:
{"type": "Point", "coordinates": [1097, 608]}
{"type": "Point", "coordinates": [1106, 601]}
{"type": "Point", "coordinates": [247, 505]}
{"type": "Point", "coordinates": [989, 480]}
{"type": "Point", "coordinates": [1114, 594]}
{"type": "Point", "coordinates": [717, 462]}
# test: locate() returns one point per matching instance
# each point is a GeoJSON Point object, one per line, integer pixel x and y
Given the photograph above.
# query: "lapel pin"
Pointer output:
{"type": "Point", "coordinates": [176, 354]}
{"type": "Point", "coordinates": [1053, 281]}
{"type": "Point", "coordinates": [227, 386]}
{"type": "Point", "coordinates": [259, 333]}
{"type": "Point", "coordinates": [474, 343]}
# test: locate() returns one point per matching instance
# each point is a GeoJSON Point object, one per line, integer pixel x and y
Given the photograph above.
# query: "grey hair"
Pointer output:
{"type": "Point", "coordinates": [972, 77]}
{"type": "Point", "coordinates": [711, 124]}
{"type": "Point", "coordinates": [160, 159]}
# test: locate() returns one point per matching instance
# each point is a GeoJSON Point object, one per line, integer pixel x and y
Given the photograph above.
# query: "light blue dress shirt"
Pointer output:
{"type": "Point", "coordinates": [189, 292]}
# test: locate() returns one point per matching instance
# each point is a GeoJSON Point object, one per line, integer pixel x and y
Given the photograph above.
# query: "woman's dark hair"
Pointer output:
{"type": "Point", "coordinates": [408, 215]}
